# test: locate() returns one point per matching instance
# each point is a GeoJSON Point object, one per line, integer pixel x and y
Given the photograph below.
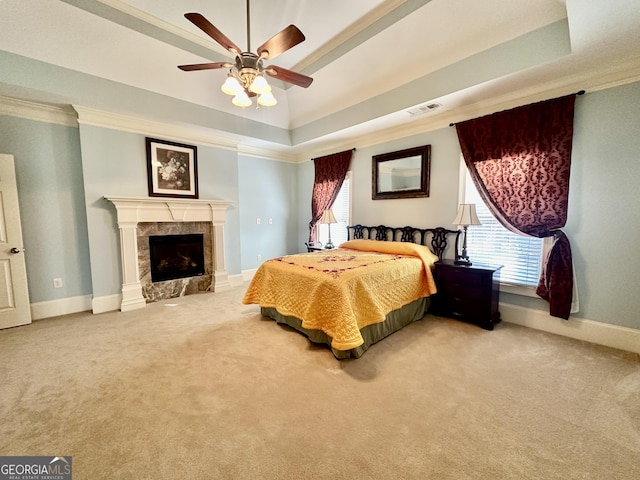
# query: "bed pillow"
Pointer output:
{"type": "Point", "coordinates": [398, 248]}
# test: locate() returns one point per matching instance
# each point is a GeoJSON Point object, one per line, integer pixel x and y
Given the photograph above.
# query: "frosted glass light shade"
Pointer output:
{"type": "Point", "coordinates": [260, 85]}
{"type": "Point", "coordinates": [267, 99]}
{"type": "Point", "coordinates": [231, 86]}
{"type": "Point", "coordinates": [241, 100]}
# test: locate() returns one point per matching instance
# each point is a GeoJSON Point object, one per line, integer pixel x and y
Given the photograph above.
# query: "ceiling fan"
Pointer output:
{"type": "Point", "coordinates": [246, 76]}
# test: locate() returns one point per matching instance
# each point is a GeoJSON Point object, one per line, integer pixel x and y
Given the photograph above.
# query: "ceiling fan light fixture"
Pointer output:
{"type": "Point", "coordinates": [267, 99]}
{"type": "Point", "coordinates": [232, 86]}
{"type": "Point", "coordinates": [246, 77]}
{"type": "Point", "coordinates": [241, 100]}
{"type": "Point", "coordinates": [260, 85]}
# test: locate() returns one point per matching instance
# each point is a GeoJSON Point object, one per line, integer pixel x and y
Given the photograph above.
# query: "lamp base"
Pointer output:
{"type": "Point", "coordinates": [329, 245]}
{"type": "Point", "coordinates": [460, 260]}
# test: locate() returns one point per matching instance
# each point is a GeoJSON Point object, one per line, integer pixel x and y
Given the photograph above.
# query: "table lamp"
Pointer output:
{"type": "Point", "coordinates": [328, 217]}
{"type": "Point", "coordinates": [466, 216]}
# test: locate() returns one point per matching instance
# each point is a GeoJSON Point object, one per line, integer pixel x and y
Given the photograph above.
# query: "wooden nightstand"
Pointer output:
{"type": "Point", "coordinates": [470, 293]}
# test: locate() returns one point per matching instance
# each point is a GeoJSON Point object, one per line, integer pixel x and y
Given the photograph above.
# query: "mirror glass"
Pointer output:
{"type": "Point", "coordinates": [399, 175]}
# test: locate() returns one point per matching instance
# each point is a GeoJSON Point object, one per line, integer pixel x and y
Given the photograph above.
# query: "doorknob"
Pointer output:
{"type": "Point", "coordinates": [14, 250]}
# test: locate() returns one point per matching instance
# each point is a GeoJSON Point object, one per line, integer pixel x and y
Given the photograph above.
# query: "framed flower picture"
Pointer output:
{"type": "Point", "coordinates": [172, 169]}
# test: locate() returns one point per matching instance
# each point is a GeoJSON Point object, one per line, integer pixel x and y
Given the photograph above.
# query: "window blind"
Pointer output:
{"type": "Point", "coordinates": [493, 244]}
{"type": "Point", "coordinates": [342, 211]}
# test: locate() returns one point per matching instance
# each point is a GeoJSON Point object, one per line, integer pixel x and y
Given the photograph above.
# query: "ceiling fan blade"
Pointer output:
{"type": "Point", "coordinates": [281, 42]}
{"type": "Point", "coordinates": [207, 27]}
{"type": "Point", "coordinates": [205, 66]}
{"type": "Point", "coordinates": [288, 76]}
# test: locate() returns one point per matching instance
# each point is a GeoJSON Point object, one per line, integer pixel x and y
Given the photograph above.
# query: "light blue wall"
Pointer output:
{"type": "Point", "coordinates": [602, 225]}
{"type": "Point", "coordinates": [70, 230]}
{"type": "Point", "coordinates": [114, 163]}
{"type": "Point", "coordinates": [50, 192]}
{"type": "Point", "coordinates": [436, 210]}
{"type": "Point", "coordinates": [218, 180]}
{"type": "Point", "coordinates": [268, 190]}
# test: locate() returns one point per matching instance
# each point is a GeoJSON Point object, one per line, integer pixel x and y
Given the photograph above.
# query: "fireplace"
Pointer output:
{"type": "Point", "coordinates": [176, 256]}
{"type": "Point", "coordinates": [141, 217]}
{"type": "Point", "coordinates": [174, 259]}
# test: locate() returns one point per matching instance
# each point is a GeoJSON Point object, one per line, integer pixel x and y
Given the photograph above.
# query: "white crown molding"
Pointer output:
{"type": "Point", "coordinates": [182, 133]}
{"type": "Point", "coordinates": [38, 111]}
{"type": "Point", "coordinates": [144, 126]}
{"type": "Point", "coordinates": [166, 26]}
{"type": "Point", "coordinates": [553, 89]}
{"type": "Point", "coordinates": [278, 156]}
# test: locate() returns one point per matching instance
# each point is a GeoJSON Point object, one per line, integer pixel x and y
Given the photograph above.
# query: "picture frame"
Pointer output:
{"type": "Point", "coordinates": [172, 169]}
{"type": "Point", "coordinates": [401, 174]}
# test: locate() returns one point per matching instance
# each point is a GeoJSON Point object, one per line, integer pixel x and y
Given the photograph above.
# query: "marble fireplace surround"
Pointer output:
{"type": "Point", "coordinates": [134, 210]}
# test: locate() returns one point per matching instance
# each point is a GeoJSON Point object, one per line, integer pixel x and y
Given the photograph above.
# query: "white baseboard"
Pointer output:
{"type": "Point", "coordinates": [247, 275]}
{"type": "Point", "coordinates": [614, 336]}
{"type": "Point", "coordinates": [63, 306]}
{"type": "Point", "coordinates": [108, 303]}
{"type": "Point", "coordinates": [236, 280]}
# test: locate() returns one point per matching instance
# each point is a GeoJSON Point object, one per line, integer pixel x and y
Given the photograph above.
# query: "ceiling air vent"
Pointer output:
{"type": "Point", "coordinates": [424, 109]}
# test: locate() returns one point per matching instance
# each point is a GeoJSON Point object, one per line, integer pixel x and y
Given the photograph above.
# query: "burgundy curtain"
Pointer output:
{"type": "Point", "coordinates": [520, 161]}
{"type": "Point", "coordinates": [331, 171]}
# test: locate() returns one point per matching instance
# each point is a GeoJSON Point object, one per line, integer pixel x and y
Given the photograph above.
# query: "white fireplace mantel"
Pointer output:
{"type": "Point", "coordinates": [132, 210]}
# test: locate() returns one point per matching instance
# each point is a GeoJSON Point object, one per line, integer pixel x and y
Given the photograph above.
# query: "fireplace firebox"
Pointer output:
{"type": "Point", "coordinates": [176, 256]}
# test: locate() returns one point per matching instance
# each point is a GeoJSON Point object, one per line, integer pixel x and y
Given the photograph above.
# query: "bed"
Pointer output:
{"type": "Point", "coordinates": [353, 296]}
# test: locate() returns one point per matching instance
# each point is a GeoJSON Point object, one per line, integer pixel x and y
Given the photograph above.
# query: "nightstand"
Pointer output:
{"type": "Point", "coordinates": [313, 247]}
{"type": "Point", "coordinates": [469, 293]}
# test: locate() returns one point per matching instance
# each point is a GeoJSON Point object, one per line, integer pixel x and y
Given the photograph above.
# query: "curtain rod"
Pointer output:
{"type": "Point", "coordinates": [352, 150]}
{"type": "Point", "coordinates": [581, 92]}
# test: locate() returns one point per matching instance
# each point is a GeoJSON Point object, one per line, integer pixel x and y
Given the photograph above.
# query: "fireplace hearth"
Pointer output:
{"type": "Point", "coordinates": [176, 256]}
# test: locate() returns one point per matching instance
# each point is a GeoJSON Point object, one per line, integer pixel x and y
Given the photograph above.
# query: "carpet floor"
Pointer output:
{"type": "Point", "coordinates": [203, 387]}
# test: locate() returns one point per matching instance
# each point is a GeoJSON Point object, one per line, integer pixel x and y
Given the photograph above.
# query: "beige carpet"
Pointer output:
{"type": "Point", "coordinates": [209, 389]}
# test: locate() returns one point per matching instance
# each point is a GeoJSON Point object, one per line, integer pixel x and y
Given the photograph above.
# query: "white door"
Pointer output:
{"type": "Point", "coordinates": [14, 295]}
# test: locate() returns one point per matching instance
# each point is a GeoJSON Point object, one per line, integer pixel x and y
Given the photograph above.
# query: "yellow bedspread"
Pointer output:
{"type": "Point", "coordinates": [343, 290]}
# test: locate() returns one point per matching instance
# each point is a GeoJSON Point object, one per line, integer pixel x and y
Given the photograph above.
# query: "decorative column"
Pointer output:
{"type": "Point", "coordinates": [220, 275]}
{"type": "Point", "coordinates": [131, 288]}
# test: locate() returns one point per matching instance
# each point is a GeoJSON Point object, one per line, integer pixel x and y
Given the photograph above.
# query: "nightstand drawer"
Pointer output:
{"type": "Point", "coordinates": [463, 284]}
{"type": "Point", "coordinates": [458, 306]}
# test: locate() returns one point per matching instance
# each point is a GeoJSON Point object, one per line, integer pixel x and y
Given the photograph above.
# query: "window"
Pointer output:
{"type": "Point", "coordinates": [342, 211]}
{"type": "Point", "coordinates": [492, 243]}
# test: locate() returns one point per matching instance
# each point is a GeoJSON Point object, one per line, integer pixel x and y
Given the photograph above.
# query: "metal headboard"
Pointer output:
{"type": "Point", "coordinates": [435, 238]}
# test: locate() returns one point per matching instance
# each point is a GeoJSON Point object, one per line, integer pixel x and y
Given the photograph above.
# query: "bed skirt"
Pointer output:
{"type": "Point", "coordinates": [371, 334]}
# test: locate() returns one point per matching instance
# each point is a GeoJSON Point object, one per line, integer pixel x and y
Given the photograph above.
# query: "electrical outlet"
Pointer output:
{"type": "Point", "coordinates": [270, 221]}
{"type": "Point", "coordinates": [258, 221]}
{"type": "Point", "coordinates": [259, 257]}
{"type": "Point", "coordinates": [57, 282]}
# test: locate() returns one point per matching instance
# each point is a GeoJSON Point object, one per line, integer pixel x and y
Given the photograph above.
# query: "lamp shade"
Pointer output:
{"type": "Point", "coordinates": [328, 217]}
{"type": "Point", "coordinates": [466, 215]}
